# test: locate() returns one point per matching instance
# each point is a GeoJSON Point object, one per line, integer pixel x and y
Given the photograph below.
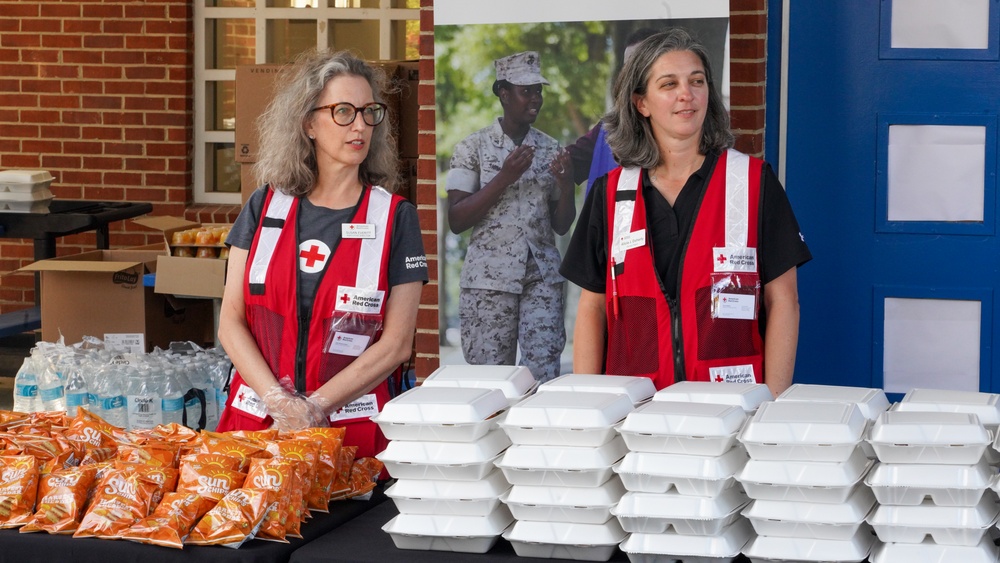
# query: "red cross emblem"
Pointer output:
{"type": "Point", "coordinates": [719, 379]}
{"type": "Point", "coordinates": [721, 259]}
{"type": "Point", "coordinates": [312, 256]}
{"type": "Point", "coordinates": [345, 298]}
{"type": "Point", "coordinates": [242, 397]}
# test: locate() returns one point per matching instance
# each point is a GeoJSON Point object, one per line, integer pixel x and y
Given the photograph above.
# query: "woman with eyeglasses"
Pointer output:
{"type": "Point", "coordinates": [512, 185]}
{"type": "Point", "coordinates": [326, 264]}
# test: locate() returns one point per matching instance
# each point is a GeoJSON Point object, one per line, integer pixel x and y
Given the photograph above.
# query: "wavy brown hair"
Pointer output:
{"type": "Point", "coordinates": [287, 158]}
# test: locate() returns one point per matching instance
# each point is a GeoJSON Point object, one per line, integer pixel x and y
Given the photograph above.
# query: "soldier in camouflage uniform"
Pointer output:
{"type": "Point", "coordinates": [513, 186]}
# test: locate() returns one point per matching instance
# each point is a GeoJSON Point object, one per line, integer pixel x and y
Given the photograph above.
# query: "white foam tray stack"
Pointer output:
{"type": "Point", "coordinates": [933, 478]}
{"type": "Point", "coordinates": [560, 466]}
{"type": "Point", "coordinates": [806, 474]}
{"type": "Point", "coordinates": [25, 190]}
{"type": "Point", "coordinates": [683, 500]}
{"type": "Point", "coordinates": [444, 442]}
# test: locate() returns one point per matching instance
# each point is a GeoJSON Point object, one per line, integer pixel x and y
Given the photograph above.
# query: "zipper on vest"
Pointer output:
{"type": "Point", "coordinates": [300, 357]}
{"type": "Point", "coordinates": [676, 338]}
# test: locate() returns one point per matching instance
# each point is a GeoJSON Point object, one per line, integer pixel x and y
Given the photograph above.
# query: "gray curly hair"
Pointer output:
{"type": "Point", "coordinates": [628, 132]}
{"type": "Point", "coordinates": [287, 157]}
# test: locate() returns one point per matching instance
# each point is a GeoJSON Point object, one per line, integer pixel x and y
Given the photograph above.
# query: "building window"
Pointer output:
{"type": "Point", "coordinates": [238, 32]}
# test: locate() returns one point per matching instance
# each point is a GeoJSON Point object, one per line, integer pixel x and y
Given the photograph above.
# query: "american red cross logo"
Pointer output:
{"type": "Point", "coordinates": [719, 379]}
{"type": "Point", "coordinates": [721, 259]}
{"type": "Point", "coordinates": [345, 298]}
{"type": "Point", "coordinates": [351, 227]}
{"type": "Point", "coordinates": [312, 256]}
{"type": "Point", "coordinates": [242, 397]}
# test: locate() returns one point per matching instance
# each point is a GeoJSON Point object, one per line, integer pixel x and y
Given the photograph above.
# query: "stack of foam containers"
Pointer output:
{"type": "Point", "coordinates": [25, 190]}
{"type": "Point", "coordinates": [516, 382]}
{"type": "Point", "coordinates": [560, 465]}
{"type": "Point", "coordinates": [805, 476]}
{"type": "Point", "coordinates": [933, 478]}
{"type": "Point", "coordinates": [444, 442]}
{"type": "Point", "coordinates": [683, 500]}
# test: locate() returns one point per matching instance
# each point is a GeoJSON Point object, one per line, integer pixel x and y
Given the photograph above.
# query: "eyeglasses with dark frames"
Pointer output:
{"type": "Point", "coordinates": [344, 113]}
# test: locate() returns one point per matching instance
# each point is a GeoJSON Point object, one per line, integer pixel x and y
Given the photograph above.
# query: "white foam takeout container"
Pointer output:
{"type": "Point", "coordinates": [454, 498]}
{"type": "Point", "coordinates": [516, 382]}
{"type": "Point", "coordinates": [682, 428]}
{"type": "Point", "coordinates": [804, 481]}
{"type": "Point", "coordinates": [687, 474]}
{"type": "Point", "coordinates": [791, 430]}
{"type": "Point", "coordinates": [656, 513]}
{"type": "Point", "coordinates": [580, 505]}
{"type": "Point", "coordinates": [946, 525]}
{"type": "Point", "coordinates": [442, 414]}
{"type": "Point", "coordinates": [872, 402]}
{"type": "Point", "coordinates": [929, 552]}
{"type": "Point", "coordinates": [984, 405]}
{"type": "Point", "coordinates": [929, 437]}
{"type": "Point", "coordinates": [562, 466]}
{"type": "Point", "coordinates": [719, 548]}
{"type": "Point", "coordinates": [638, 389]}
{"type": "Point", "coordinates": [747, 396]}
{"type": "Point", "coordinates": [24, 181]}
{"type": "Point", "coordinates": [462, 461]}
{"type": "Point", "coordinates": [908, 484]}
{"type": "Point", "coordinates": [467, 534]}
{"type": "Point", "coordinates": [565, 540]}
{"type": "Point", "coordinates": [776, 548]}
{"type": "Point", "coordinates": [811, 520]}
{"type": "Point", "coordinates": [566, 418]}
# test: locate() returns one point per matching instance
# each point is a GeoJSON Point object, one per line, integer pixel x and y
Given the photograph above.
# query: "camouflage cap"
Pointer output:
{"type": "Point", "coordinates": [522, 69]}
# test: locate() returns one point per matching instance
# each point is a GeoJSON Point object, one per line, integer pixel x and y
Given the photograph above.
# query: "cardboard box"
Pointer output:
{"type": "Point", "coordinates": [101, 293]}
{"type": "Point", "coordinates": [182, 276]}
{"type": "Point", "coordinates": [255, 89]}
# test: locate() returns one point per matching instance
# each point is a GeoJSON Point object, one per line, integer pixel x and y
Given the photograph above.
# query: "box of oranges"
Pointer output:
{"type": "Point", "coordinates": [195, 260]}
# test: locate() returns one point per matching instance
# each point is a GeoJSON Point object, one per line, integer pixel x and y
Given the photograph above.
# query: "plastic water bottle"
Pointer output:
{"type": "Point", "coordinates": [172, 398]}
{"type": "Point", "coordinates": [111, 396]}
{"type": "Point", "coordinates": [51, 391]}
{"type": "Point", "coordinates": [26, 387]}
{"type": "Point", "coordinates": [142, 396]}
{"type": "Point", "coordinates": [77, 390]}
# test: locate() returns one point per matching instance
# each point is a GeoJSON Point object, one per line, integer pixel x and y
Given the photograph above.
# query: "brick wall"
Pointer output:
{"type": "Point", "coordinates": [100, 94]}
{"type": "Point", "coordinates": [748, 27]}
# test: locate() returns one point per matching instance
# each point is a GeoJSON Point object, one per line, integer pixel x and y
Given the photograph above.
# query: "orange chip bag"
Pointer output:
{"type": "Point", "coordinates": [11, 419]}
{"type": "Point", "coordinates": [225, 461]}
{"type": "Point", "coordinates": [331, 441]}
{"type": "Point", "coordinates": [342, 479]}
{"type": "Point", "coordinates": [279, 476]}
{"type": "Point", "coordinates": [91, 430]}
{"type": "Point", "coordinates": [234, 520]}
{"type": "Point", "coordinates": [18, 489]}
{"type": "Point", "coordinates": [120, 498]}
{"type": "Point", "coordinates": [364, 473]}
{"type": "Point", "coordinates": [210, 481]}
{"type": "Point", "coordinates": [164, 477]}
{"type": "Point", "coordinates": [171, 522]}
{"type": "Point", "coordinates": [158, 453]}
{"type": "Point", "coordinates": [242, 449]}
{"type": "Point", "coordinates": [62, 496]}
{"type": "Point", "coordinates": [173, 432]}
{"type": "Point", "coordinates": [266, 435]}
{"type": "Point", "coordinates": [99, 455]}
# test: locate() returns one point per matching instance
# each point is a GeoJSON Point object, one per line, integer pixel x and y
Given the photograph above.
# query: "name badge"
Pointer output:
{"type": "Point", "coordinates": [734, 259]}
{"type": "Point", "coordinates": [732, 374]}
{"type": "Point", "coordinates": [735, 306]}
{"type": "Point", "coordinates": [632, 240]}
{"type": "Point", "coordinates": [248, 401]}
{"type": "Point", "coordinates": [362, 407]}
{"type": "Point", "coordinates": [358, 300]}
{"type": "Point", "coordinates": [357, 230]}
{"type": "Point", "coordinates": [347, 344]}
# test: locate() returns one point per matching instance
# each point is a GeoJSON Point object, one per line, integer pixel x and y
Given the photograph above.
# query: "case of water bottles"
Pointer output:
{"type": "Point", "coordinates": [184, 385]}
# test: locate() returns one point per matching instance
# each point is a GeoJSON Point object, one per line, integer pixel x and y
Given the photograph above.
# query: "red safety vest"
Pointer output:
{"type": "Point", "coordinates": [347, 312]}
{"type": "Point", "coordinates": [704, 334]}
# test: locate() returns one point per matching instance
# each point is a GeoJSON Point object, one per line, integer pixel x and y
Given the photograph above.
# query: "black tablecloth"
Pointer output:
{"type": "Point", "coordinates": [362, 539]}
{"type": "Point", "coordinates": [16, 547]}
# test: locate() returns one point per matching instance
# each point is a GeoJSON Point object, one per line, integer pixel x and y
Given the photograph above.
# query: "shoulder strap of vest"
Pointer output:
{"type": "Point", "coordinates": [625, 193]}
{"type": "Point", "coordinates": [370, 258]}
{"type": "Point", "coordinates": [737, 198]}
{"type": "Point", "coordinates": [276, 210]}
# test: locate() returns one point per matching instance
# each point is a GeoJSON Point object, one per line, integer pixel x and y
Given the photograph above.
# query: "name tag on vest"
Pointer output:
{"type": "Point", "coordinates": [732, 374]}
{"type": "Point", "coordinates": [347, 344]}
{"type": "Point", "coordinates": [358, 300]}
{"type": "Point", "coordinates": [632, 240]}
{"type": "Point", "coordinates": [734, 259]}
{"type": "Point", "coordinates": [357, 230]}
{"type": "Point", "coordinates": [249, 402]}
{"type": "Point", "coordinates": [362, 407]}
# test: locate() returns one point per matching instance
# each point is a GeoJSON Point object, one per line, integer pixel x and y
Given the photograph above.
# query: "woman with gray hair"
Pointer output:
{"type": "Point", "coordinates": [687, 253]}
{"type": "Point", "coordinates": [326, 264]}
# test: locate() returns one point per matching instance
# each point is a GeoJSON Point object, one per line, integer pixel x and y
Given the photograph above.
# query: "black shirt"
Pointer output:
{"type": "Point", "coordinates": [780, 244]}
